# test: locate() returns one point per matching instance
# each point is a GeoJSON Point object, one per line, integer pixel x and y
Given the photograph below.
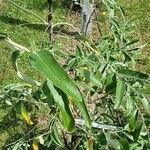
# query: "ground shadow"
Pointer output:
{"type": "Point", "coordinates": [35, 26]}
{"type": "Point", "coordinates": [23, 23]}
{"type": "Point", "coordinates": [12, 21]}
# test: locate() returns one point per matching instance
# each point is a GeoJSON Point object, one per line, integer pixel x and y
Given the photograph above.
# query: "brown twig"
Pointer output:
{"type": "Point", "coordinates": [50, 9]}
{"type": "Point", "coordinates": [89, 21]}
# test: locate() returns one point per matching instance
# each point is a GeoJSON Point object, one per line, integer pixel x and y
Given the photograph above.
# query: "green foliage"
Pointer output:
{"type": "Point", "coordinates": [45, 62]}
{"type": "Point", "coordinates": [120, 90]}
{"type": "Point", "coordinates": [115, 91]}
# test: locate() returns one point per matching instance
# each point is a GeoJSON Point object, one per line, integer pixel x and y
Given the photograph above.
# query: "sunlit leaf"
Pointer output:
{"type": "Point", "coordinates": [25, 115]}
{"type": "Point", "coordinates": [45, 62]}
{"type": "Point", "coordinates": [115, 144]}
{"type": "Point", "coordinates": [132, 42]}
{"type": "Point", "coordinates": [73, 63]}
{"type": "Point", "coordinates": [85, 86]}
{"type": "Point", "coordinates": [12, 44]}
{"type": "Point", "coordinates": [35, 145]}
{"type": "Point", "coordinates": [145, 91]}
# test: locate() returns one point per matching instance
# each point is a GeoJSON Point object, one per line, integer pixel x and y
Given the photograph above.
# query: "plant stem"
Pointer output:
{"type": "Point", "coordinates": [99, 126]}
{"type": "Point", "coordinates": [50, 17]}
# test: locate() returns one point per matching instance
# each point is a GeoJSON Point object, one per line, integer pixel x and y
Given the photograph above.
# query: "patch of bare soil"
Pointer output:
{"type": "Point", "coordinates": [67, 33]}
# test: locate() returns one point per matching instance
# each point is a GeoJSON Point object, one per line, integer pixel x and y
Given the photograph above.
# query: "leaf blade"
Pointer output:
{"type": "Point", "coordinates": [132, 74]}
{"type": "Point", "coordinates": [45, 62]}
{"type": "Point", "coordinates": [120, 90]}
{"type": "Point", "coordinates": [63, 105]}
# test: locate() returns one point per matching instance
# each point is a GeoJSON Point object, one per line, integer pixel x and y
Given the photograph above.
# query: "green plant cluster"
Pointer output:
{"type": "Point", "coordinates": [103, 104]}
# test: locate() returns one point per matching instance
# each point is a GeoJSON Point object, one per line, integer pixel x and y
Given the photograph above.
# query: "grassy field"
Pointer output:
{"type": "Point", "coordinates": [25, 30]}
{"type": "Point", "coordinates": [139, 11]}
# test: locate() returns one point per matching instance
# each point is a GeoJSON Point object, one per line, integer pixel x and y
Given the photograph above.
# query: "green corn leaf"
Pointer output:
{"type": "Point", "coordinates": [48, 94]}
{"type": "Point", "coordinates": [120, 90]}
{"type": "Point", "coordinates": [132, 74]}
{"type": "Point", "coordinates": [45, 62]}
{"type": "Point", "coordinates": [63, 105]}
{"type": "Point", "coordinates": [15, 56]}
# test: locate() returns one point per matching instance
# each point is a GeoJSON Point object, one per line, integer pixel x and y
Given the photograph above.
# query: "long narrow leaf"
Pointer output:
{"type": "Point", "coordinates": [146, 104]}
{"type": "Point", "coordinates": [48, 94]}
{"type": "Point", "coordinates": [15, 46]}
{"type": "Point", "coordinates": [27, 79]}
{"type": "Point", "coordinates": [63, 105]}
{"type": "Point", "coordinates": [132, 74]}
{"type": "Point", "coordinates": [120, 90]}
{"type": "Point", "coordinates": [45, 62]}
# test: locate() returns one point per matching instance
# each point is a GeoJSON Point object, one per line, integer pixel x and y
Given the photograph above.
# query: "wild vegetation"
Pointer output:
{"type": "Point", "coordinates": [64, 88]}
